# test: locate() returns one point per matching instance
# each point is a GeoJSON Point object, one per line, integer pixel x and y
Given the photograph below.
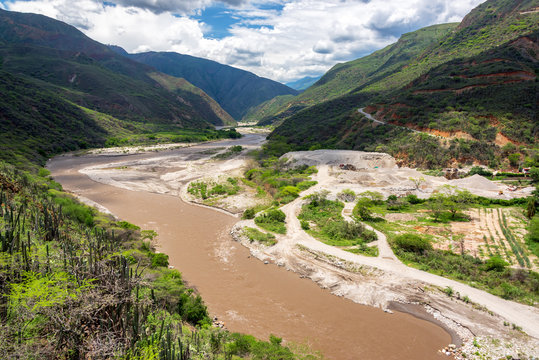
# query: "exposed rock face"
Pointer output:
{"type": "Point", "coordinates": [359, 159]}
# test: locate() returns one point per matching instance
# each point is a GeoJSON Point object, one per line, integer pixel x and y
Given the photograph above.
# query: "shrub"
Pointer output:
{"type": "Point", "coordinates": [192, 309]}
{"type": "Point", "coordinates": [272, 220]}
{"type": "Point", "coordinates": [159, 260]}
{"type": "Point", "coordinates": [289, 191]}
{"type": "Point", "coordinates": [347, 195]}
{"type": "Point", "coordinates": [495, 263]}
{"type": "Point", "coordinates": [275, 215]}
{"type": "Point", "coordinates": [304, 224]}
{"type": "Point", "coordinates": [248, 214]}
{"type": "Point", "coordinates": [346, 230]}
{"type": "Point", "coordinates": [304, 185]}
{"type": "Point", "coordinates": [412, 243]}
{"type": "Point", "coordinates": [514, 159]}
{"type": "Point", "coordinates": [362, 212]}
{"type": "Point", "coordinates": [480, 171]}
{"type": "Point", "coordinates": [413, 199]}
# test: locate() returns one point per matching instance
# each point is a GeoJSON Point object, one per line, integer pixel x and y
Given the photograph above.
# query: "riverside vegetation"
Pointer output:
{"type": "Point", "coordinates": [76, 284]}
{"type": "Point", "coordinates": [322, 219]}
{"type": "Point", "coordinates": [489, 271]}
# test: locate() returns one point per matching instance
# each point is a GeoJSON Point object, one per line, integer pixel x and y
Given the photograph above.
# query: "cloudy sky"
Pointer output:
{"type": "Point", "coordinates": [280, 39]}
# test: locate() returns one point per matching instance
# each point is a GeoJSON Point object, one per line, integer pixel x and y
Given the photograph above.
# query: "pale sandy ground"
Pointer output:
{"type": "Point", "coordinates": [381, 281]}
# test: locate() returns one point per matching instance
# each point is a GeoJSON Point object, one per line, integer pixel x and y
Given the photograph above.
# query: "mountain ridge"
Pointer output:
{"type": "Point", "coordinates": [478, 79]}
{"type": "Point", "coordinates": [68, 70]}
{"type": "Point", "coordinates": [234, 89]}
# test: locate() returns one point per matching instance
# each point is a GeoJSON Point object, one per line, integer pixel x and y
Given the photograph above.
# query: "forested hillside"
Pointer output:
{"type": "Point", "coordinates": [73, 92]}
{"type": "Point", "coordinates": [234, 89]}
{"type": "Point", "coordinates": [473, 90]}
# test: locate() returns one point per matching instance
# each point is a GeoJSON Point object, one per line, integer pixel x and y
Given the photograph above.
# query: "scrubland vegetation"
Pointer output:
{"type": "Point", "coordinates": [76, 284]}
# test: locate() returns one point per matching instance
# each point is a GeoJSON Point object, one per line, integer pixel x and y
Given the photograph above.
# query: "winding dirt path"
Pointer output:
{"type": "Point", "coordinates": [525, 316]}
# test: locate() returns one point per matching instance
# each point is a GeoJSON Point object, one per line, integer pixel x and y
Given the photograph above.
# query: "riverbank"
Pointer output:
{"type": "Point", "coordinates": [241, 291]}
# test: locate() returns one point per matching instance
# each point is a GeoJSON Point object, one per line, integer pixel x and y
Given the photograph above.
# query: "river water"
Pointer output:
{"type": "Point", "coordinates": [247, 295]}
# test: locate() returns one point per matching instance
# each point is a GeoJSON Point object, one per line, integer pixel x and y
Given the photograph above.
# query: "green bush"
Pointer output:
{"type": "Point", "coordinates": [192, 309]}
{"type": "Point", "coordinates": [304, 224]}
{"type": "Point", "coordinates": [289, 191]}
{"type": "Point", "coordinates": [412, 243]}
{"type": "Point", "coordinates": [272, 220]}
{"type": "Point", "coordinates": [413, 199]}
{"type": "Point", "coordinates": [218, 190]}
{"type": "Point", "coordinates": [479, 171]}
{"type": "Point", "coordinates": [495, 263]}
{"type": "Point", "coordinates": [304, 185]}
{"type": "Point", "coordinates": [343, 229]}
{"type": "Point", "coordinates": [159, 260]}
{"type": "Point", "coordinates": [248, 214]}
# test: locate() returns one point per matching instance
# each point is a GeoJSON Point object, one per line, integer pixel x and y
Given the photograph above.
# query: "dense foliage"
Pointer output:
{"type": "Point", "coordinates": [492, 276]}
{"type": "Point", "coordinates": [275, 177]}
{"type": "Point", "coordinates": [329, 225]}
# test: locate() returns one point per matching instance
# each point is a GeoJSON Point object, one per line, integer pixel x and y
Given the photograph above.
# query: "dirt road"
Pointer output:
{"type": "Point", "coordinates": [525, 316]}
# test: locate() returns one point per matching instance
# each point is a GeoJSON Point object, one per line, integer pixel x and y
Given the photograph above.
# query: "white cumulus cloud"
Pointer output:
{"type": "Point", "coordinates": [303, 38]}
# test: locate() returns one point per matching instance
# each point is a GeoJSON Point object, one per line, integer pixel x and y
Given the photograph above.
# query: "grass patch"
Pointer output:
{"type": "Point", "coordinates": [364, 250]}
{"type": "Point", "coordinates": [207, 190]}
{"type": "Point", "coordinates": [260, 237]}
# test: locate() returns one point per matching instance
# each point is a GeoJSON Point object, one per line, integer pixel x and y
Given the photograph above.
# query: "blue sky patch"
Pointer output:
{"type": "Point", "coordinates": [220, 19]}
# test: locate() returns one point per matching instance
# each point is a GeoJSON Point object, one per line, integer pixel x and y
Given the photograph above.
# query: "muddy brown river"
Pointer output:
{"type": "Point", "coordinates": [247, 295]}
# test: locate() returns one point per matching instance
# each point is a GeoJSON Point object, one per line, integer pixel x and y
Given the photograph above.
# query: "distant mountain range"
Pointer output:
{"type": "Point", "coordinates": [472, 87]}
{"type": "Point", "coordinates": [303, 83]}
{"type": "Point", "coordinates": [235, 90]}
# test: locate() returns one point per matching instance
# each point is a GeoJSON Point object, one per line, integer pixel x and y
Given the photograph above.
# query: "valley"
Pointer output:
{"type": "Point", "coordinates": [122, 182]}
{"type": "Point", "coordinates": [160, 205]}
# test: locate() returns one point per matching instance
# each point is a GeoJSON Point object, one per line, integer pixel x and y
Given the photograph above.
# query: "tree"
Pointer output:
{"type": "Point", "coordinates": [437, 205]}
{"type": "Point", "coordinates": [376, 197]}
{"type": "Point", "coordinates": [514, 159]}
{"type": "Point", "coordinates": [413, 243]}
{"type": "Point", "coordinates": [363, 208]}
{"type": "Point", "coordinates": [534, 174]}
{"type": "Point", "coordinates": [495, 263]}
{"type": "Point", "coordinates": [454, 199]}
{"type": "Point", "coordinates": [417, 182]}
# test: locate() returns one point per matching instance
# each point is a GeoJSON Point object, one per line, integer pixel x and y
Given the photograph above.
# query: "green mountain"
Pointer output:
{"type": "Point", "coordinates": [234, 89]}
{"type": "Point", "coordinates": [347, 77]}
{"type": "Point", "coordinates": [78, 92]}
{"type": "Point", "coordinates": [473, 85]}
